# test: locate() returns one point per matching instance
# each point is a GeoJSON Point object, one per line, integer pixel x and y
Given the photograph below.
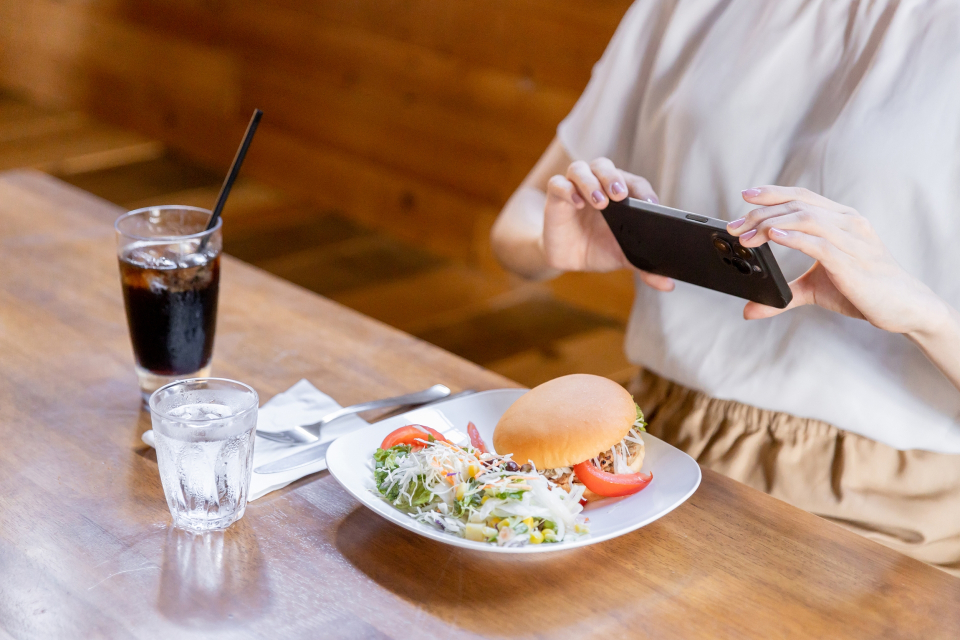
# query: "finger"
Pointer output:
{"type": "Point", "coordinates": [810, 220]}
{"type": "Point", "coordinates": [560, 188]}
{"type": "Point", "coordinates": [658, 282]}
{"type": "Point", "coordinates": [754, 218]}
{"type": "Point", "coordinates": [611, 179]}
{"type": "Point", "coordinates": [772, 194]}
{"type": "Point", "coordinates": [640, 188]}
{"type": "Point", "coordinates": [820, 249]}
{"type": "Point", "coordinates": [580, 174]}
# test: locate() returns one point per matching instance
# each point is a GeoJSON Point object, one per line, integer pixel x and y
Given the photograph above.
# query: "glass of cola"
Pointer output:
{"type": "Point", "coordinates": [170, 273]}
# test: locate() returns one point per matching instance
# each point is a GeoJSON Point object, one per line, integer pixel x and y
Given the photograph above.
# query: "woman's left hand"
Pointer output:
{"type": "Point", "coordinates": [854, 273]}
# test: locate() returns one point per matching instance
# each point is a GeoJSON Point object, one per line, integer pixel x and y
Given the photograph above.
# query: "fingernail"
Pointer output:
{"type": "Point", "coordinates": [780, 233]}
{"type": "Point", "coordinates": [577, 200]}
{"type": "Point", "coordinates": [736, 223]}
{"type": "Point", "coordinates": [752, 192]}
{"type": "Point", "coordinates": [653, 199]}
{"type": "Point", "coordinates": [597, 196]}
{"type": "Point", "coordinates": [616, 188]}
{"type": "Point", "coordinates": [748, 235]}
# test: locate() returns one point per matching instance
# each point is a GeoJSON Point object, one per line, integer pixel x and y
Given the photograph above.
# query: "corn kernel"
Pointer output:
{"type": "Point", "coordinates": [529, 522]}
{"type": "Point", "coordinates": [474, 532]}
{"type": "Point", "coordinates": [473, 470]}
{"type": "Point", "coordinates": [493, 521]}
{"type": "Point", "coordinates": [484, 499]}
{"type": "Point", "coordinates": [581, 528]}
{"type": "Point", "coordinates": [536, 537]}
{"type": "Point", "coordinates": [461, 490]}
{"type": "Point", "coordinates": [503, 523]}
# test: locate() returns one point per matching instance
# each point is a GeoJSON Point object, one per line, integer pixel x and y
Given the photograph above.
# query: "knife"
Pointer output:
{"type": "Point", "coordinates": [314, 452]}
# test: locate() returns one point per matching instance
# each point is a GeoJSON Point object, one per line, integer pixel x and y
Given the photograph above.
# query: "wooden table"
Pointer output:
{"type": "Point", "coordinates": [86, 547]}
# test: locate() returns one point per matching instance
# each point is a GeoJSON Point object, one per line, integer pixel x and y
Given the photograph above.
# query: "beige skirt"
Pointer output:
{"type": "Point", "coordinates": [906, 500]}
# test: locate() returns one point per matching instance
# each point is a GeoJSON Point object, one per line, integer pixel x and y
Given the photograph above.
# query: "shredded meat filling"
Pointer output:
{"type": "Point", "coordinates": [563, 475]}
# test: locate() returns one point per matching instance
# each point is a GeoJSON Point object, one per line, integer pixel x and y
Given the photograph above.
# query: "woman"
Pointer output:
{"type": "Point", "coordinates": [847, 403]}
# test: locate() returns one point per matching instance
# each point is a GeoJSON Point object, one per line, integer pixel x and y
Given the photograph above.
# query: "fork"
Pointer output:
{"type": "Point", "coordinates": [304, 434]}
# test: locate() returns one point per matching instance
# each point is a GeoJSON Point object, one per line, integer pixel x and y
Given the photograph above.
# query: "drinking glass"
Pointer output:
{"type": "Point", "coordinates": [204, 430]}
{"type": "Point", "coordinates": [170, 273]}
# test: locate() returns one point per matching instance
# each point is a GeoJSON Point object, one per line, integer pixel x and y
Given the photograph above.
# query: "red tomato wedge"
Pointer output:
{"type": "Point", "coordinates": [411, 434]}
{"type": "Point", "coordinates": [610, 485]}
{"type": "Point", "coordinates": [475, 438]}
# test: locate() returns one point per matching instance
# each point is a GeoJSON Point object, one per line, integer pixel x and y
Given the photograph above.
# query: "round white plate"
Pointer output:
{"type": "Point", "coordinates": [350, 460]}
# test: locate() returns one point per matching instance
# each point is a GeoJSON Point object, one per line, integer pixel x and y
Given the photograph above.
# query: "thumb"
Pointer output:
{"type": "Point", "coordinates": [802, 295]}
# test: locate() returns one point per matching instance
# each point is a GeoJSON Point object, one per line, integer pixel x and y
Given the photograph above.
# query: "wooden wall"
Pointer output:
{"type": "Point", "coordinates": [415, 116]}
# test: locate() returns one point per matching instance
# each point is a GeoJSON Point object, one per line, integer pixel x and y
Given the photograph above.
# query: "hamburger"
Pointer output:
{"type": "Point", "coordinates": [578, 429]}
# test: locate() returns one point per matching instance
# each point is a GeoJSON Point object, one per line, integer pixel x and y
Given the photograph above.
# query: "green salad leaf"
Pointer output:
{"type": "Point", "coordinates": [641, 423]}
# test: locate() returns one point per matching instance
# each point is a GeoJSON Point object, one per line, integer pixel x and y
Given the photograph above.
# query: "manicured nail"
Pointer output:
{"type": "Point", "coordinates": [753, 192]}
{"type": "Point", "coordinates": [736, 223]}
{"type": "Point", "coordinates": [616, 188]}
{"type": "Point", "coordinates": [780, 233]}
{"type": "Point", "coordinates": [597, 196]}
{"type": "Point", "coordinates": [653, 199]}
{"type": "Point", "coordinates": [577, 200]}
{"type": "Point", "coordinates": [748, 235]}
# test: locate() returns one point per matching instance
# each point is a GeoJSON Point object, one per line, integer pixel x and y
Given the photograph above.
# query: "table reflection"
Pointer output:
{"type": "Point", "coordinates": [212, 577]}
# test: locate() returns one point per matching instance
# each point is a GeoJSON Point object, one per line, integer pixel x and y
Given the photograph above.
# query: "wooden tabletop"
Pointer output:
{"type": "Point", "coordinates": [87, 550]}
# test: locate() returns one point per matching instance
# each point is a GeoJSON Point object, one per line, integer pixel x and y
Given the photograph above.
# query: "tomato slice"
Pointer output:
{"type": "Point", "coordinates": [475, 438]}
{"type": "Point", "coordinates": [610, 485]}
{"type": "Point", "coordinates": [412, 434]}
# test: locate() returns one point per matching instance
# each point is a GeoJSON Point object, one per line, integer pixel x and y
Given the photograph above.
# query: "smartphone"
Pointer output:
{"type": "Point", "coordinates": [696, 249]}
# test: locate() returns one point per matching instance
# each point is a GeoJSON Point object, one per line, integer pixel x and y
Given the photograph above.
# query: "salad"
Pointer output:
{"type": "Point", "coordinates": [472, 493]}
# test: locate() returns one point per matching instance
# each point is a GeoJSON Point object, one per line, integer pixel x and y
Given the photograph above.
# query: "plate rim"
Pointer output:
{"type": "Point", "coordinates": [401, 519]}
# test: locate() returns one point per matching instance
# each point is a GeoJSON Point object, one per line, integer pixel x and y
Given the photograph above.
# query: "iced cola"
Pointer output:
{"type": "Point", "coordinates": [170, 273]}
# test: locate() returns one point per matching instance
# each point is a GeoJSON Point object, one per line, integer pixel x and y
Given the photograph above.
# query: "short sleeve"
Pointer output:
{"type": "Point", "coordinates": [603, 121]}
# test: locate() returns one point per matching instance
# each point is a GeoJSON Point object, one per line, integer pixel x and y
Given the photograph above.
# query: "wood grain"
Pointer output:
{"type": "Point", "coordinates": [405, 114]}
{"type": "Point", "coordinates": [86, 549]}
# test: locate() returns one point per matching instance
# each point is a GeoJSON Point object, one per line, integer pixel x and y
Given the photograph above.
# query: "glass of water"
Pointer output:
{"type": "Point", "coordinates": [204, 430]}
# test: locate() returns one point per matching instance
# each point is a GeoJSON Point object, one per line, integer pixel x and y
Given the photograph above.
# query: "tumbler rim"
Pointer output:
{"type": "Point", "coordinates": [172, 238]}
{"type": "Point", "coordinates": [163, 414]}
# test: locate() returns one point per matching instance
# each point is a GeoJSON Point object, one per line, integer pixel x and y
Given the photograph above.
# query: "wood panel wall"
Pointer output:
{"type": "Point", "coordinates": [415, 116]}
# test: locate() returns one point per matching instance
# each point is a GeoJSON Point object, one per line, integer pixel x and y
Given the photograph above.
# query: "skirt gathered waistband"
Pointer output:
{"type": "Point", "coordinates": [906, 500]}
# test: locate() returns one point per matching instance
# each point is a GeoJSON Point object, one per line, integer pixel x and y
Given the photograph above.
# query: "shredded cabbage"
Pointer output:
{"type": "Point", "coordinates": [476, 495]}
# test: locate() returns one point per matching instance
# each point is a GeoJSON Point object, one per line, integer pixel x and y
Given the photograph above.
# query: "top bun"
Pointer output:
{"type": "Point", "coordinates": [565, 421]}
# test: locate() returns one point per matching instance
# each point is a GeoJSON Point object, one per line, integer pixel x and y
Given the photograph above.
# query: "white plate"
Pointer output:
{"type": "Point", "coordinates": [350, 460]}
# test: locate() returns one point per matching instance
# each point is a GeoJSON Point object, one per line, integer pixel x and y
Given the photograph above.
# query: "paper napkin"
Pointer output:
{"type": "Point", "coordinates": [300, 404]}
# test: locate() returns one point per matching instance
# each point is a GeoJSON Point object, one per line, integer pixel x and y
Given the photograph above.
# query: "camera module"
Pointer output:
{"type": "Point", "coordinates": [742, 266]}
{"type": "Point", "coordinates": [722, 246]}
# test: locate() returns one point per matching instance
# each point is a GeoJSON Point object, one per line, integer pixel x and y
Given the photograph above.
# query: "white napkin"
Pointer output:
{"type": "Point", "coordinates": [300, 404]}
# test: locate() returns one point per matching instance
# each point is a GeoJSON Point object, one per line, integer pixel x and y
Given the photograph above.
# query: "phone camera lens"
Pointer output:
{"type": "Point", "coordinates": [743, 252]}
{"type": "Point", "coordinates": [741, 266]}
{"type": "Point", "coordinates": [722, 245]}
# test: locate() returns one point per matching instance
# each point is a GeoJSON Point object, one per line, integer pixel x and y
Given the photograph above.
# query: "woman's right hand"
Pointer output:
{"type": "Point", "coordinates": [575, 235]}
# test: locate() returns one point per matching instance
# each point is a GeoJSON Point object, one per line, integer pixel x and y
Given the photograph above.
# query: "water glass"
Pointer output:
{"type": "Point", "coordinates": [204, 430]}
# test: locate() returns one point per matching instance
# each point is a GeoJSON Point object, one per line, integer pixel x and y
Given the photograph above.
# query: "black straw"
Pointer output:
{"type": "Point", "coordinates": [235, 168]}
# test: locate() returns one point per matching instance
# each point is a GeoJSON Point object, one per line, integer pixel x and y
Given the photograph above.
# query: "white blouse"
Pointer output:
{"type": "Point", "coordinates": [858, 101]}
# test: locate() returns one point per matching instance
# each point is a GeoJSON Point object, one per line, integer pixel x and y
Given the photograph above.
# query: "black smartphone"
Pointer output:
{"type": "Point", "coordinates": [696, 249]}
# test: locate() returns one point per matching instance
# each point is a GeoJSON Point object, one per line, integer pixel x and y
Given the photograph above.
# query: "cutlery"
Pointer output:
{"type": "Point", "coordinates": [306, 434]}
{"type": "Point", "coordinates": [312, 453]}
